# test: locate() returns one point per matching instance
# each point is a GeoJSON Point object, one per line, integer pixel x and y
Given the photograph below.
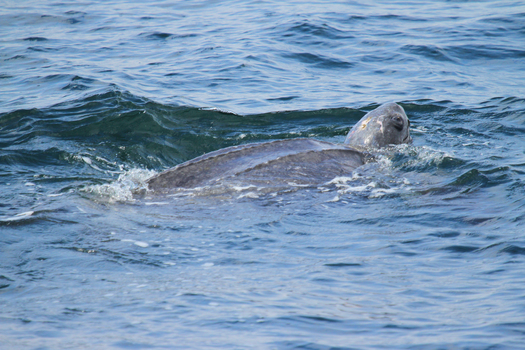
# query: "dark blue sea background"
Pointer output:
{"type": "Point", "coordinates": [422, 249]}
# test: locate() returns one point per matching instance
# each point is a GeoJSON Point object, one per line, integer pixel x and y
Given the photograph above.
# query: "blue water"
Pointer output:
{"type": "Point", "coordinates": [422, 249]}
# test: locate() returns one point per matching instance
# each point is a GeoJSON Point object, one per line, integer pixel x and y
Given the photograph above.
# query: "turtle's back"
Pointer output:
{"type": "Point", "coordinates": [301, 161]}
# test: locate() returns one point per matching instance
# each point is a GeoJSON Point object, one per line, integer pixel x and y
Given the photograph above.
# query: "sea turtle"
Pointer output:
{"type": "Point", "coordinates": [298, 161]}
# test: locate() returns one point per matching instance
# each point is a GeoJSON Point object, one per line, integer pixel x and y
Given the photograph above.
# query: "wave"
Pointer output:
{"type": "Point", "coordinates": [143, 132]}
{"type": "Point", "coordinates": [115, 133]}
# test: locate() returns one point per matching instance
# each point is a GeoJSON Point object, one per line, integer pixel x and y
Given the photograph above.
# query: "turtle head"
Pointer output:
{"type": "Point", "coordinates": [386, 125]}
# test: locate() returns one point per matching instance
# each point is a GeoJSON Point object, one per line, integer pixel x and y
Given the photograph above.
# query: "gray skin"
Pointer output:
{"type": "Point", "coordinates": [294, 161]}
{"type": "Point", "coordinates": [386, 125]}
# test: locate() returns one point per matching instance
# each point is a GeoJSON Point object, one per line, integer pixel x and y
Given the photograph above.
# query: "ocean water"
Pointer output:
{"type": "Point", "coordinates": [422, 249]}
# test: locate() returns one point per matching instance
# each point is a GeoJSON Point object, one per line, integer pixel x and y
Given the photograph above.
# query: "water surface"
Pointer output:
{"type": "Point", "coordinates": [422, 249]}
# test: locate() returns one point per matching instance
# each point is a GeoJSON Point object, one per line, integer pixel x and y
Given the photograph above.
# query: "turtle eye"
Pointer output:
{"type": "Point", "coordinates": [398, 123]}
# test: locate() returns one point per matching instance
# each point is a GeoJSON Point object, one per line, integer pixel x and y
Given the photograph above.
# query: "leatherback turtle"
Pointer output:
{"type": "Point", "coordinates": [292, 161]}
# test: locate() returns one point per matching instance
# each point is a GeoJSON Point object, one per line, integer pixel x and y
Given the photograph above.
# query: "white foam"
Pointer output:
{"type": "Point", "coordinates": [137, 243]}
{"type": "Point", "coordinates": [380, 192]}
{"type": "Point", "coordinates": [249, 195]}
{"type": "Point", "coordinates": [423, 155]}
{"type": "Point", "coordinates": [380, 178]}
{"type": "Point", "coordinates": [370, 187]}
{"type": "Point", "coordinates": [294, 184]}
{"type": "Point", "coordinates": [122, 190]}
{"type": "Point", "coordinates": [242, 188]}
{"type": "Point", "coordinates": [19, 216]}
{"type": "Point", "coordinates": [427, 154]}
{"type": "Point", "coordinates": [337, 198]}
{"type": "Point", "coordinates": [342, 180]}
{"type": "Point", "coordinates": [141, 244]}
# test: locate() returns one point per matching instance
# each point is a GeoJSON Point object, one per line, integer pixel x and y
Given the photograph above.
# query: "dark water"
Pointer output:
{"type": "Point", "coordinates": [423, 249]}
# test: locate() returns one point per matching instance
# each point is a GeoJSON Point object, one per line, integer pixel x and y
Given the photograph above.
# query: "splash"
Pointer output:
{"type": "Point", "coordinates": [123, 189]}
{"type": "Point", "coordinates": [368, 187]}
{"type": "Point", "coordinates": [377, 179]}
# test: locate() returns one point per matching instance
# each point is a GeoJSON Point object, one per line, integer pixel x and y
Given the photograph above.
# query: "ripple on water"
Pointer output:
{"type": "Point", "coordinates": [422, 248]}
